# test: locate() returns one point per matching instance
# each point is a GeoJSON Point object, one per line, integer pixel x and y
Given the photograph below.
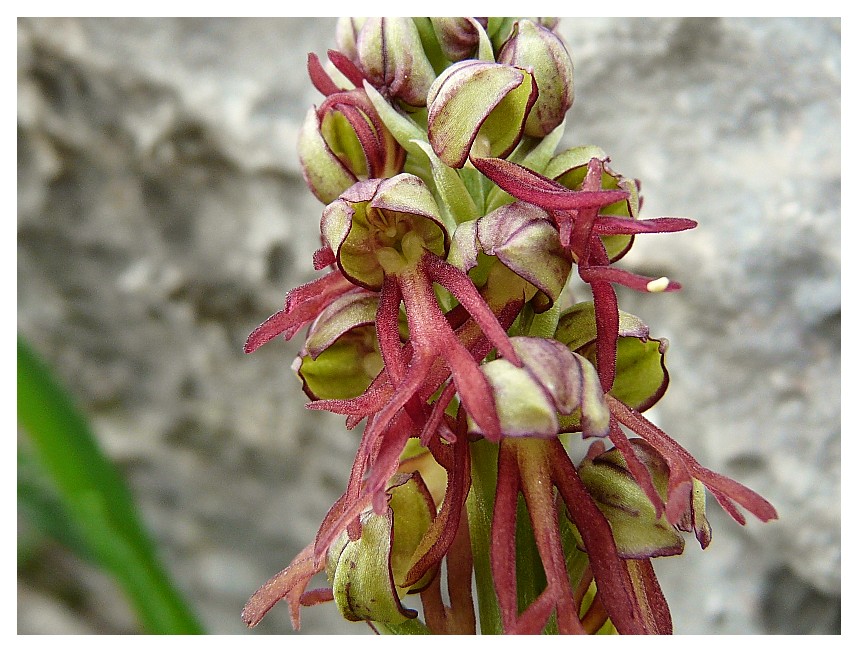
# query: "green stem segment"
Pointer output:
{"type": "Point", "coordinates": [411, 626]}
{"type": "Point", "coordinates": [545, 324]}
{"type": "Point", "coordinates": [484, 460]}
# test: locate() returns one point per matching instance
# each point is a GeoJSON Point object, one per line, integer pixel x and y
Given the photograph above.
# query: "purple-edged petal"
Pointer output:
{"type": "Point", "coordinates": [551, 380]}
{"type": "Point", "coordinates": [524, 239]}
{"type": "Point", "coordinates": [478, 105]}
{"type": "Point", "coordinates": [523, 406]}
{"type": "Point", "coordinates": [570, 380]}
{"type": "Point", "coordinates": [344, 313]}
{"type": "Point", "coordinates": [378, 222]}
{"type": "Point", "coordinates": [325, 174]}
{"type": "Point", "coordinates": [340, 357]}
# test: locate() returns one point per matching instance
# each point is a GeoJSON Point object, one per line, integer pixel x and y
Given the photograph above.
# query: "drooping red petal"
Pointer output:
{"type": "Point", "coordinates": [459, 617]}
{"type": "Point", "coordinates": [474, 389]}
{"type": "Point", "coordinates": [607, 328]}
{"type": "Point", "coordinates": [538, 489]}
{"type": "Point", "coordinates": [728, 492]}
{"type": "Point", "coordinates": [303, 305]}
{"type": "Point", "coordinates": [534, 188]}
{"type": "Point", "coordinates": [582, 230]}
{"type": "Point", "coordinates": [432, 338]}
{"type": "Point", "coordinates": [387, 329]}
{"type": "Point", "coordinates": [338, 516]}
{"type": "Point", "coordinates": [613, 225]}
{"type": "Point", "coordinates": [462, 287]}
{"type": "Point", "coordinates": [435, 613]}
{"type": "Point", "coordinates": [442, 531]}
{"type": "Point", "coordinates": [623, 277]}
{"type": "Point", "coordinates": [655, 609]}
{"type": "Point", "coordinates": [289, 583]}
{"type": "Point", "coordinates": [460, 567]}
{"type": "Point", "coordinates": [504, 517]}
{"type": "Point", "coordinates": [606, 311]}
{"type": "Point", "coordinates": [436, 418]}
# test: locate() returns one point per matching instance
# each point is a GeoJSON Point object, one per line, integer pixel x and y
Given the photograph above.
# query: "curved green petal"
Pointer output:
{"type": "Point", "coordinates": [641, 376]}
{"type": "Point", "coordinates": [637, 531]}
{"type": "Point", "coordinates": [365, 573]}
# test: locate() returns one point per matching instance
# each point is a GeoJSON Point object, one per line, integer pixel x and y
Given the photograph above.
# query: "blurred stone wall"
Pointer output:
{"type": "Point", "coordinates": [162, 215]}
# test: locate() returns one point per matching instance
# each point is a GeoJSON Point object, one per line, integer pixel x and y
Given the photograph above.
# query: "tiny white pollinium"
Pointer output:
{"type": "Point", "coordinates": [658, 285]}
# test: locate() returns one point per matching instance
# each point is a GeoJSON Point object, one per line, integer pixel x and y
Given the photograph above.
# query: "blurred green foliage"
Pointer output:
{"type": "Point", "coordinates": [70, 491]}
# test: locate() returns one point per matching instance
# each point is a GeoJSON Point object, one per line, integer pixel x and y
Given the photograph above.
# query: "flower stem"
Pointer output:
{"type": "Point", "coordinates": [411, 626]}
{"type": "Point", "coordinates": [484, 456]}
{"type": "Point", "coordinates": [530, 576]}
{"type": "Point", "coordinates": [545, 324]}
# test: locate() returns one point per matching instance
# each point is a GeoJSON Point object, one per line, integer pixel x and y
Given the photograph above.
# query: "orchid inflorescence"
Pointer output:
{"type": "Point", "coordinates": [445, 322]}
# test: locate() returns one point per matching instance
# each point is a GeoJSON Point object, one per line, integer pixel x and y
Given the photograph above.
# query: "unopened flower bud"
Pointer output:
{"type": "Point", "coordinates": [391, 56]}
{"type": "Point", "coordinates": [344, 141]}
{"type": "Point", "coordinates": [458, 37]}
{"type": "Point", "coordinates": [499, 29]}
{"type": "Point", "coordinates": [537, 48]}
{"type": "Point", "coordinates": [479, 108]}
{"type": "Point", "coordinates": [347, 35]}
{"type": "Point", "coordinates": [379, 224]}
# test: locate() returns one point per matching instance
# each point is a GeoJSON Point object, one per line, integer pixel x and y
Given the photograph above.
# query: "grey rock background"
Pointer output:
{"type": "Point", "coordinates": [162, 215]}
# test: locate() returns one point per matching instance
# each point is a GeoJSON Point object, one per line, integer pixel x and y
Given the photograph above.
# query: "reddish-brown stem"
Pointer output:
{"type": "Point", "coordinates": [612, 577]}
{"type": "Point", "coordinates": [596, 616]}
{"type": "Point", "coordinates": [505, 515]}
{"type": "Point", "coordinates": [535, 473]}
